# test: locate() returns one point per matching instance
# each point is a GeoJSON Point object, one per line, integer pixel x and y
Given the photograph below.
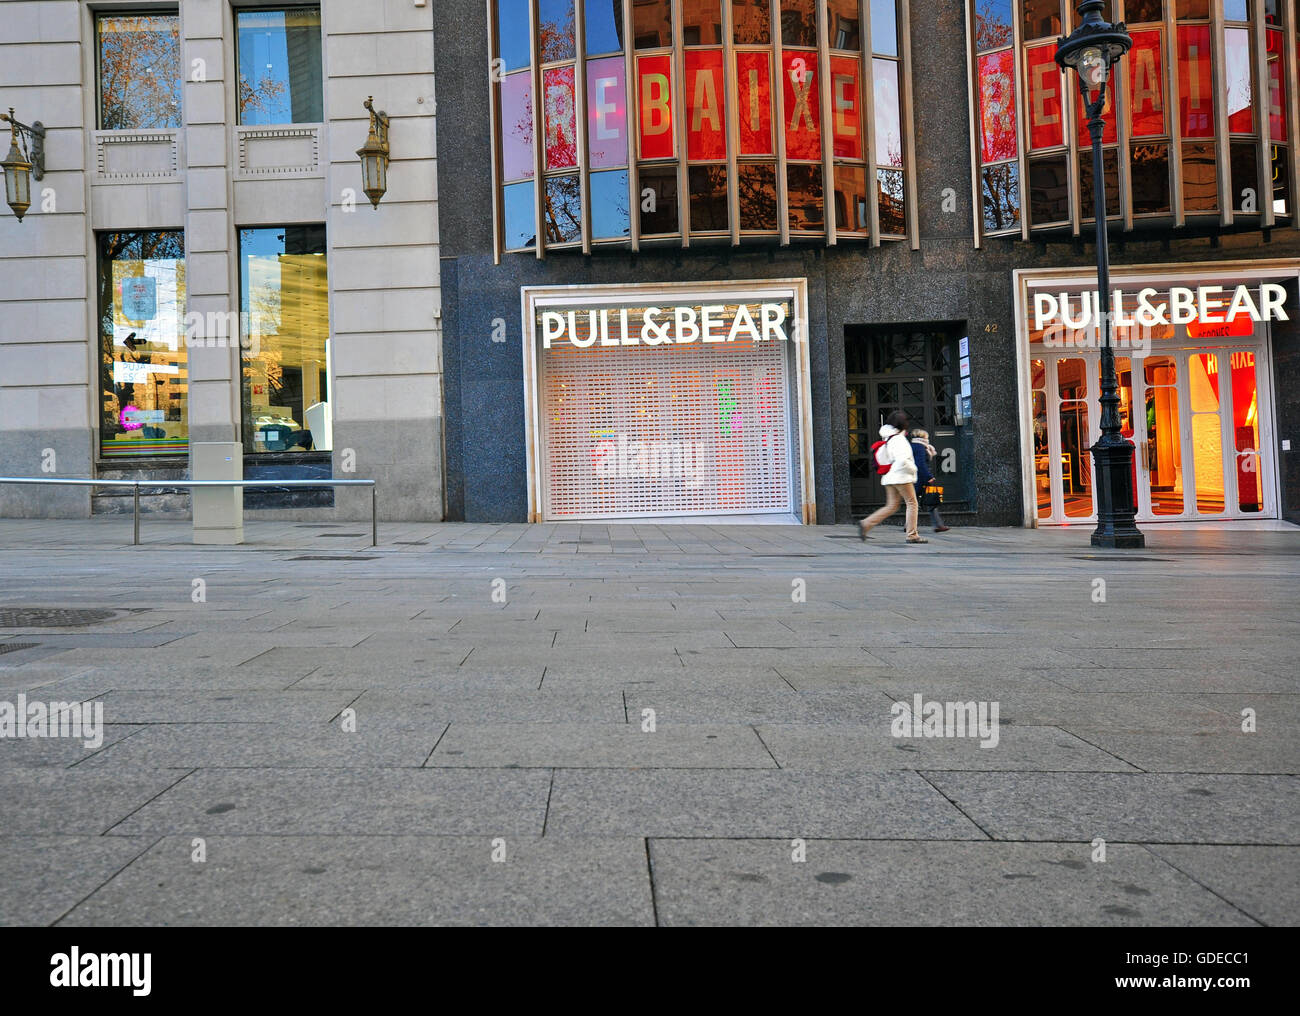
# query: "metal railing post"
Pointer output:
{"type": "Point", "coordinates": [374, 515]}
{"type": "Point", "coordinates": [137, 513]}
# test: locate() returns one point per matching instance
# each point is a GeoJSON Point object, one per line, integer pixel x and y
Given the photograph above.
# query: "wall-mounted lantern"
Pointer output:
{"type": "Point", "coordinates": [22, 163]}
{"type": "Point", "coordinates": [374, 155]}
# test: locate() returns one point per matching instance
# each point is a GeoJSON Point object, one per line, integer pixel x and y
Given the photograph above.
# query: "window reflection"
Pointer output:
{"type": "Point", "coordinates": [139, 71]}
{"type": "Point", "coordinates": [556, 30]}
{"type": "Point", "coordinates": [284, 298]}
{"type": "Point", "coordinates": [145, 376]}
{"type": "Point", "coordinates": [280, 76]}
{"type": "Point", "coordinates": [756, 186]}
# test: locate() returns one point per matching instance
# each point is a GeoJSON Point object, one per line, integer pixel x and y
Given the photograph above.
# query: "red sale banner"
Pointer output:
{"type": "Point", "coordinates": [1046, 129]}
{"type": "Point", "coordinates": [754, 98]}
{"type": "Point", "coordinates": [1146, 77]}
{"type": "Point", "coordinates": [559, 116]}
{"type": "Point", "coordinates": [803, 133]}
{"type": "Point", "coordinates": [1276, 92]}
{"type": "Point", "coordinates": [1108, 130]}
{"type": "Point", "coordinates": [654, 91]}
{"type": "Point", "coordinates": [846, 107]}
{"type": "Point", "coordinates": [706, 136]}
{"type": "Point", "coordinates": [997, 106]}
{"type": "Point", "coordinates": [1195, 87]}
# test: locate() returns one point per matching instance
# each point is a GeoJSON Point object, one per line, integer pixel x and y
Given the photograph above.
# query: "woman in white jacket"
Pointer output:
{"type": "Point", "coordinates": [899, 482]}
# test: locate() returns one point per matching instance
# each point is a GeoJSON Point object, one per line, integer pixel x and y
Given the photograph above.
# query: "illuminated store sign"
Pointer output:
{"type": "Point", "coordinates": [1180, 305]}
{"type": "Point", "coordinates": [653, 326]}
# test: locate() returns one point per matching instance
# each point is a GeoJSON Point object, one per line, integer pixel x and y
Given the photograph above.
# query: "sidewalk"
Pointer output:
{"type": "Point", "coordinates": [639, 724]}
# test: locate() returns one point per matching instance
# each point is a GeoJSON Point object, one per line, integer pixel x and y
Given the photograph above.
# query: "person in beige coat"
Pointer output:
{"type": "Point", "coordinates": [899, 481]}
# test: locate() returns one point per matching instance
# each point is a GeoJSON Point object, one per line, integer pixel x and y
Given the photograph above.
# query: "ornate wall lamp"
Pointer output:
{"type": "Point", "coordinates": [374, 155]}
{"type": "Point", "coordinates": [22, 163]}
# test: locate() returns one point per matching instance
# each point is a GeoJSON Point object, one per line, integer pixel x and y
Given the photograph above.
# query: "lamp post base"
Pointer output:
{"type": "Point", "coordinates": [1116, 503]}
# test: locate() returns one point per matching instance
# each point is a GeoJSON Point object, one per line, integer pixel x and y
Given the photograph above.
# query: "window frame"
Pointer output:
{"type": "Point", "coordinates": [99, 14]}
{"type": "Point", "coordinates": [1080, 221]}
{"type": "Point", "coordinates": [242, 9]}
{"type": "Point", "coordinates": [681, 162]}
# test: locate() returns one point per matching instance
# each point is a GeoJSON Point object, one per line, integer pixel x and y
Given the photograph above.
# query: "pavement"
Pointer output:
{"type": "Point", "coordinates": [648, 724]}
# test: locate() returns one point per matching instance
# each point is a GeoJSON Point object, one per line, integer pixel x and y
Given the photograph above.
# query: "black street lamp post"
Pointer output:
{"type": "Point", "coordinates": [1092, 49]}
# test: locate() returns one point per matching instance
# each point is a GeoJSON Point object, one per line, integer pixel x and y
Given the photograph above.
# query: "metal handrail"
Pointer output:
{"type": "Point", "coordinates": [137, 484]}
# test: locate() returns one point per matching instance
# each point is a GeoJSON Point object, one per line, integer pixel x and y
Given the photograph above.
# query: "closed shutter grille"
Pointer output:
{"type": "Point", "coordinates": [677, 429]}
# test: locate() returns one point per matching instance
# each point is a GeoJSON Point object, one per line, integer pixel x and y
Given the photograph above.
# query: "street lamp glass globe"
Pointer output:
{"type": "Point", "coordinates": [1093, 68]}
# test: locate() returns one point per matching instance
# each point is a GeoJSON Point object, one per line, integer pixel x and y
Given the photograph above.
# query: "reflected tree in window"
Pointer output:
{"type": "Point", "coordinates": [139, 72]}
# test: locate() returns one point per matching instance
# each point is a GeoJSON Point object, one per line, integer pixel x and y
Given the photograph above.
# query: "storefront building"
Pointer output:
{"type": "Point", "coordinates": [681, 259]}
{"type": "Point", "coordinates": [910, 182]}
{"type": "Point", "coordinates": [199, 263]}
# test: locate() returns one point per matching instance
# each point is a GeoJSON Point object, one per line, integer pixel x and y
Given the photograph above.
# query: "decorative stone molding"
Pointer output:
{"type": "Point", "coordinates": [288, 150]}
{"type": "Point", "coordinates": [129, 156]}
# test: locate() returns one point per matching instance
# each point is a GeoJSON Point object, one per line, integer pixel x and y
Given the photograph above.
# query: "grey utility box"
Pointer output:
{"type": "Point", "coordinates": [218, 511]}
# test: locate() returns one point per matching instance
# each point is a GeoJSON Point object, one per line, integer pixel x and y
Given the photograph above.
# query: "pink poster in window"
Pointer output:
{"type": "Point", "coordinates": [560, 119]}
{"type": "Point", "coordinates": [606, 113]}
{"type": "Point", "coordinates": [997, 106]}
{"type": "Point", "coordinates": [517, 126]}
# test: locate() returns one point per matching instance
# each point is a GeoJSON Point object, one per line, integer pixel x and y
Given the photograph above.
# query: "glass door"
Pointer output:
{"type": "Point", "coordinates": [1199, 418]}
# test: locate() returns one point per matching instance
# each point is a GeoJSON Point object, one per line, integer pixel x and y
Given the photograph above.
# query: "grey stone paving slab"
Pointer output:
{"type": "Point", "coordinates": [25, 752]}
{"type": "Point", "coordinates": [442, 677]}
{"type": "Point", "coordinates": [230, 706]}
{"type": "Point", "coordinates": [150, 676]}
{"type": "Point", "coordinates": [360, 881]}
{"type": "Point", "coordinates": [755, 882]}
{"type": "Point", "coordinates": [1221, 752]}
{"type": "Point", "coordinates": [904, 683]}
{"type": "Point", "coordinates": [897, 805]}
{"type": "Point", "coordinates": [272, 745]}
{"type": "Point", "coordinates": [43, 801]}
{"type": "Point", "coordinates": [1159, 808]}
{"type": "Point", "coordinates": [46, 876]}
{"type": "Point", "coordinates": [1192, 681]}
{"type": "Point", "coordinates": [589, 745]}
{"type": "Point", "coordinates": [1077, 710]}
{"type": "Point", "coordinates": [750, 706]}
{"type": "Point", "coordinates": [1260, 880]}
{"type": "Point", "coordinates": [858, 747]}
{"type": "Point", "coordinates": [633, 675]}
{"type": "Point", "coordinates": [379, 802]}
{"type": "Point", "coordinates": [495, 706]}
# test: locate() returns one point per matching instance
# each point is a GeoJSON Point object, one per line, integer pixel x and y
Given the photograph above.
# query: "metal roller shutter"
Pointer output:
{"type": "Point", "coordinates": [678, 429]}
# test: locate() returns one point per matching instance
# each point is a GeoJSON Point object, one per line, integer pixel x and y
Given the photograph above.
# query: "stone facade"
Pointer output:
{"type": "Point", "coordinates": [211, 177]}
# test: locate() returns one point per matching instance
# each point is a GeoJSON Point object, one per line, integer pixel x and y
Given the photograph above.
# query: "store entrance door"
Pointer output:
{"type": "Point", "coordinates": [1200, 418]}
{"type": "Point", "coordinates": [912, 368]}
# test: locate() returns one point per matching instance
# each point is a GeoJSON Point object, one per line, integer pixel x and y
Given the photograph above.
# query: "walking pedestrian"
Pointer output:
{"type": "Point", "coordinates": [895, 452]}
{"type": "Point", "coordinates": [923, 452]}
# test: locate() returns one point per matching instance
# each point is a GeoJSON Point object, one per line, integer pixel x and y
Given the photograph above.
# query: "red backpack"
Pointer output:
{"type": "Point", "coordinates": [883, 462]}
